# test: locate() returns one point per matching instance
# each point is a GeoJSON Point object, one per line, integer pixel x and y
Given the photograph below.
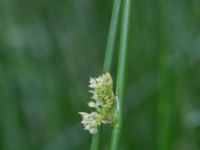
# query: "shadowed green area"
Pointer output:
{"type": "Point", "coordinates": [49, 49]}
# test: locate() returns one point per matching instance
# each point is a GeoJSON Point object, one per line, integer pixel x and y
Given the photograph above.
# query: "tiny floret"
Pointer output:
{"type": "Point", "coordinates": [103, 101]}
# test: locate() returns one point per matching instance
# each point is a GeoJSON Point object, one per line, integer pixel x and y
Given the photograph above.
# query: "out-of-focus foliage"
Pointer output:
{"type": "Point", "coordinates": [49, 49]}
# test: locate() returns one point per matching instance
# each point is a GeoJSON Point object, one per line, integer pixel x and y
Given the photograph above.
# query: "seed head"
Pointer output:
{"type": "Point", "coordinates": [102, 100]}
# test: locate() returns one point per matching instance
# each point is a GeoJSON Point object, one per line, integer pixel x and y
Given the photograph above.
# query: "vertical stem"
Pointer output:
{"type": "Point", "coordinates": [120, 87]}
{"type": "Point", "coordinates": [112, 35]}
{"type": "Point", "coordinates": [95, 141]}
{"type": "Point", "coordinates": [108, 55]}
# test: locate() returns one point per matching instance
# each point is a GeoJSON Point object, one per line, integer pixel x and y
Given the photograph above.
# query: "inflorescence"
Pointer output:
{"type": "Point", "coordinates": [103, 101]}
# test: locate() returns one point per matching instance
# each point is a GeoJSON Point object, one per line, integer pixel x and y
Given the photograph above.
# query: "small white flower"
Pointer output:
{"type": "Point", "coordinates": [93, 83]}
{"type": "Point", "coordinates": [93, 104]}
{"type": "Point", "coordinates": [91, 121]}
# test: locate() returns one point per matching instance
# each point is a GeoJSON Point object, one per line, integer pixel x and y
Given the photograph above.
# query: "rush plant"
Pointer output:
{"type": "Point", "coordinates": [107, 105]}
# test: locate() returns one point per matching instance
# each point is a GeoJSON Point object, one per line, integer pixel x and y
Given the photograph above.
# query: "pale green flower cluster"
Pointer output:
{"type": "Point", "coordinates": [103, 100]}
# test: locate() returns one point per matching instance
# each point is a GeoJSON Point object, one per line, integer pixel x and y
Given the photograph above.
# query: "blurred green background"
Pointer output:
{"type": "Point", "coordinates": [49, 49]}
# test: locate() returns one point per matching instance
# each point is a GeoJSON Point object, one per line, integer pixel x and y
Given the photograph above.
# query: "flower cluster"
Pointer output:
{"type": "Point", "coordinates": [103, 100]}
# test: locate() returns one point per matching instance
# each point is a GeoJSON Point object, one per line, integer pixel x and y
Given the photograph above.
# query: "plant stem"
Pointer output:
{"type": "Point", "coordinates": [109, 55]}
{"type": "Point", "coordinates": [95, 141]}
{"type": "Point", "coordinates": [120, 85]}
{"type": "Point", "coordinates": [112, 36]}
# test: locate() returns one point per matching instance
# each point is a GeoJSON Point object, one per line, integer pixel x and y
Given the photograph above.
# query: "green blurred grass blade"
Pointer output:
{"type": "Point", "coordinates": [166, 94]}
{"type": "Point", "coordinates": [120, 85]}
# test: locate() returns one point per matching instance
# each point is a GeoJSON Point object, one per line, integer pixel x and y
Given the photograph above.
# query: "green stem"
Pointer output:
{"type": "Point", "coordinates": [112, 36]}
{"type": "Point", "coordinates": [95, 141]}
{"type": "Point", "coordinates": [120, 85]}
{"type": "Point", "coordinates": [109, 55]}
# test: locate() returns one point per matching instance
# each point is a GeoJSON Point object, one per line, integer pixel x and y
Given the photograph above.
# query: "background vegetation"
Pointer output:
{"type": "Point", "coordinates": [49, 49]}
